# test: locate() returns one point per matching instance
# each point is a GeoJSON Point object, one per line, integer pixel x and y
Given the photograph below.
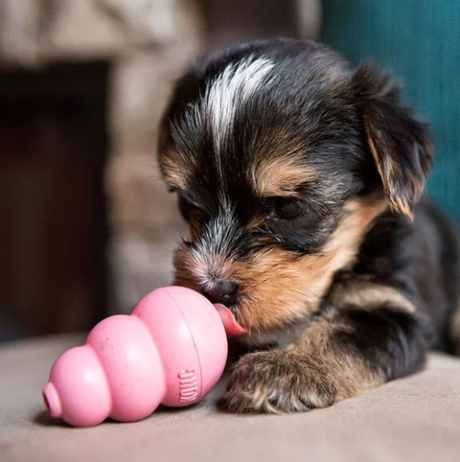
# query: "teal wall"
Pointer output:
{"type": "Point", "coordinates": [420, 41]}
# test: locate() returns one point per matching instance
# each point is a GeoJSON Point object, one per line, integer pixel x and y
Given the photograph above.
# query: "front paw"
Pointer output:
{"type": "Point", "coordinates": [278, 381]}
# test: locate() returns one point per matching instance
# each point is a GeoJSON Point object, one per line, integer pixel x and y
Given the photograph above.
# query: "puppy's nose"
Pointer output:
{"type": "Point", "coordinates": [224, 292]}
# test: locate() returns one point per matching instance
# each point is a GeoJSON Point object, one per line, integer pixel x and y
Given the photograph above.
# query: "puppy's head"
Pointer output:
{"type": "Point", "coordinates": [282, 156]}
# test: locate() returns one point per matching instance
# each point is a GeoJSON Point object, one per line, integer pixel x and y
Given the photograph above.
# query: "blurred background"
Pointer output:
{"type": "Point", "coordinates": [86, 226]}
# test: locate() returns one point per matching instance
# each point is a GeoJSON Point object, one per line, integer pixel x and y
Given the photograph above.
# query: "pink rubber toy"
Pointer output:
{"type": "Point", "coordinates": [171, 350]}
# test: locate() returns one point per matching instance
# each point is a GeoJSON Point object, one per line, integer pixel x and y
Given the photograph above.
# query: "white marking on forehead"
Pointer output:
{"type": "Point", "coordinates": [233, 87]}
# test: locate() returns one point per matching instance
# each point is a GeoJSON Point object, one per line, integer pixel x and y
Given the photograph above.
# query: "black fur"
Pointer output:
{"type": "Point", "coordinates": [350, 127]}
{"type": "Point", "coordinates": [302, 95]}
{"type": "Point", "coordinates": [390, 340]}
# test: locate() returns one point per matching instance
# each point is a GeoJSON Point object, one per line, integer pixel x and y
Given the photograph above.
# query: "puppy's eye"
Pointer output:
{"type": "Point", "coordinates": [287, 208]}
{"type": "Point", "coordinates": [189, 210]}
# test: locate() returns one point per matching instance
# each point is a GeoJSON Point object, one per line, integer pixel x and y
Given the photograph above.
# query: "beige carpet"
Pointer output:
{"type": "Point", "coordinates": [415, 419]}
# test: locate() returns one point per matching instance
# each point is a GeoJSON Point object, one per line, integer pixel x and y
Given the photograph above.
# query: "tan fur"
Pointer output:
{"type": "Point", "coordinates": [347, 371]}
{"type": "Point", "coordinates": [280, 176]}
{"type": "Point", "coordinates": [367, 295]}
{"type": "Point", "coordinates": [387, 169]}
{"type": "Point", "coordinates": [278, 286]}
{"type": "Point", "coordinates": [175, 170]}
{"type": "Point", "coordinates": [313, 372]}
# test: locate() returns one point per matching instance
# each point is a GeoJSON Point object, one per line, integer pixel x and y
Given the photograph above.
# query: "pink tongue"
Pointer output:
{"type": "Point", "coordinates": [232, 328]}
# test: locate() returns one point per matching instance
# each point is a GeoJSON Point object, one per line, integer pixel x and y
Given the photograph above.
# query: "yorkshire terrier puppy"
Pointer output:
{"type": "Point", "coordinates": [301, 178]}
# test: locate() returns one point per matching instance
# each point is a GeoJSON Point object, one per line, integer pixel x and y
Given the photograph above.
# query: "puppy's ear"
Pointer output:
{"type": "Point", "coordinates": [399, 143]}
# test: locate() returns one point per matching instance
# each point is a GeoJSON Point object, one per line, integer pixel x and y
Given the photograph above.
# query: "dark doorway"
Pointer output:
{"type": "Point", "coordinates": [53, 231]}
